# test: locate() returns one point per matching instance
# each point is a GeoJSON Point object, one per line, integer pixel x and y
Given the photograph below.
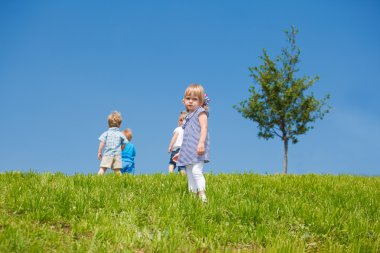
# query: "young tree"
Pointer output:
{"type": "Point", "coordinates": [278, 102]}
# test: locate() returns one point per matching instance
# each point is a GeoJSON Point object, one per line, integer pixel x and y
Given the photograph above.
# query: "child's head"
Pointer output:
{"type": "Point", "coordinates": [114, 119]}
{"type": "Point", "coordinates": [128, 133]}
{"type": "Point", "coordinates": [181, 117]}
{"type": "Point", "coordinates": [198, 91]}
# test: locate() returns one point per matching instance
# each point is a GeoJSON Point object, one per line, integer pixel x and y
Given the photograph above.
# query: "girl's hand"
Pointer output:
{"type": "Point", "coordinates": [169, 149]}
{"type": "Point", "coordinates": [201, 148]}
{"type": "Point", "coordinates": [99, 155]}
{"type": "Point", "coordinates": [175, 157]}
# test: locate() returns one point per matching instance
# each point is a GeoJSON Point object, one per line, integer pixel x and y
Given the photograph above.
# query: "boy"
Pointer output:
{"type": "Point", "coordinates": [113, 141]}
{"type": "Point", "coordinates": [176, 143]}
{"type": "Point", "coordinates": [128, 154]}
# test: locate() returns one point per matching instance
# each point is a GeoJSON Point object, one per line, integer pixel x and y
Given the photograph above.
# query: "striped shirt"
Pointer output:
{"type": "Point", "coordinates": [113, 140]}
{"type": "Point", "coordinates": [192, 132]}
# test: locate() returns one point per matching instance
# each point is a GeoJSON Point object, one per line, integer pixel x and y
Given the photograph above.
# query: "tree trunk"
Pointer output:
{"type": "Point", "coordinates": [285, 156]}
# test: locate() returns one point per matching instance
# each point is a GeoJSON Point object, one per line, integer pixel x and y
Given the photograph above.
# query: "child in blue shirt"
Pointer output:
{"type": "Point", "coordinates": [128, 154]}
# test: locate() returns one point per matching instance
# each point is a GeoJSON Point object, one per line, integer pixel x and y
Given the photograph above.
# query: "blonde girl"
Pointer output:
{"type": "Point", "coordinates": [195, 146]}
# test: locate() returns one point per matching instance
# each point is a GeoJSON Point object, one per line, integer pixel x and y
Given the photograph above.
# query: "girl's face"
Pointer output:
{"type": "Point", "coordinates": [191, 102]}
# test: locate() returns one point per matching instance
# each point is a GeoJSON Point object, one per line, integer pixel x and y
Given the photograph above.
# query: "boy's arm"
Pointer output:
{"type": "Point", "coordinates": [174, 138]}
{"type": "Point", "coordinates": [101, 146]}
{"type": "Point", "coordinates": [202, 139]}
{"type": "Point", "coordinates": [124, 141]}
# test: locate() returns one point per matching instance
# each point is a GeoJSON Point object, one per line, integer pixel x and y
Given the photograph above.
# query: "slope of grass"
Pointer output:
{"type": "Point", "coordinates": [246, 212]}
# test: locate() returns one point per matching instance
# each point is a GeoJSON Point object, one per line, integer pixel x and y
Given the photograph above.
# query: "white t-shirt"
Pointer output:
{"type": "Point", "coordinates": [178, 142]}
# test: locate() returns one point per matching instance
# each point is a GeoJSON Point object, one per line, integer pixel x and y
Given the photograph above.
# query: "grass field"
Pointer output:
{"type": "Point", "coordinates": [145, 213]}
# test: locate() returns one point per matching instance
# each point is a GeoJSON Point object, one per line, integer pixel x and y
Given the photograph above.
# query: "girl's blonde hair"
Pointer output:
{"type": "Point", "coordinates": [198, 91]}
{"type": "Point", "coordinates": [128, 133]}
{"type": "Point", "coordinates": [114, 119]}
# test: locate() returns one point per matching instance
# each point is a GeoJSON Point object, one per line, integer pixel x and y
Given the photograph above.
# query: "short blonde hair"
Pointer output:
{"type": "Point", "coordinates": [198, 91]}
{"type": "Point", "coordinates": [128, 133]}
{"type": "Point", "coordinates": [114, 119]}
{"type": "Point", "coordinates": [181, 117]}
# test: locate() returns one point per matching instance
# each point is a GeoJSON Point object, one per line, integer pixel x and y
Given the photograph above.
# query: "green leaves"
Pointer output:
{"type": "Point", "coordinates": [279, 102]}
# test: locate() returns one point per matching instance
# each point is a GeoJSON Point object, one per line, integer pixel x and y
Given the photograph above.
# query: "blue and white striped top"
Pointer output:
{"type": "Point", "coordinates": [192, 131]}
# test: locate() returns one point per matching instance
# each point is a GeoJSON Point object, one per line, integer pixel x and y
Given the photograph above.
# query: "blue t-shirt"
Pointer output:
{"type": "Point", "coordinates": [128, 154]}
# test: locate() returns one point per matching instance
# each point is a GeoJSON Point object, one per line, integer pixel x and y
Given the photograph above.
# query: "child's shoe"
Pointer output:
{"type": "Point", "coordinates": [204, 198]}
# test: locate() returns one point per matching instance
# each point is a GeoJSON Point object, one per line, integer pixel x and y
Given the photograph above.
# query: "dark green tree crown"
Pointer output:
{"type": "Point", "coordinates": [278, 101]}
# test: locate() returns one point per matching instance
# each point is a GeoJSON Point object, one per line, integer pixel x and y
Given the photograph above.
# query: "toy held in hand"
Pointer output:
{"type": "Point", "coordinates": [175, 158]}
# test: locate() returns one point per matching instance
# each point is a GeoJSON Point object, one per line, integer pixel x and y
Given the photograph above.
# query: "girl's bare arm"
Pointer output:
{"type": "Point", "coordinates": [202, 139]}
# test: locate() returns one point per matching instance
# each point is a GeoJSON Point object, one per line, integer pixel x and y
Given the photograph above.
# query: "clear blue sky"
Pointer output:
{"type": "Point", "coordinates": [65, 65]}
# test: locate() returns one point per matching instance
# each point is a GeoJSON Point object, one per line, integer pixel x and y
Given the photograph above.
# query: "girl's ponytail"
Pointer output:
{"type": "Point", "coordinates": [206, 101]}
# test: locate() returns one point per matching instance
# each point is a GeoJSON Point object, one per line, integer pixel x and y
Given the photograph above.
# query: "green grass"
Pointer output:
{"type": "Point", "coordinates": [246, 212]}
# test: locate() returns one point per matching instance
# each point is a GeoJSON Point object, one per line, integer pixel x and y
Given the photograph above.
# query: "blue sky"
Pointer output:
{"type": "Point", "coordinates": [65, 65]}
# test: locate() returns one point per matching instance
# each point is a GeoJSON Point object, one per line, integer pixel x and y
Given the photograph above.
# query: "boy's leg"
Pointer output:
{"type": "Point", "coordinates": [171, 168]}
{"type": "Point", "coordinates": [117, 171]}
{"type": "Point", "coordinates": [129, 168]}
{"type": "Point", "coordinates": [101, 171]}
{"type": "Point", "coordinates": [124, 169]}
{"type": "Point", "coordinates": [182, 170]}
{"type": "Point", "coordinates": [104, 164]}
{"type": "Point", "coordinates": [117, 165]}
{"type": "Point", "coordinates": [172, 164]}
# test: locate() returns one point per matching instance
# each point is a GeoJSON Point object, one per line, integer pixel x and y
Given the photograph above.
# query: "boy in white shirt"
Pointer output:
{"type": "Point", "coordinates": [176, 143]}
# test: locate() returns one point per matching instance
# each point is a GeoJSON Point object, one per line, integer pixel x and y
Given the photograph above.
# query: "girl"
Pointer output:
{"type": "Point", "coordinates": [195, 146]}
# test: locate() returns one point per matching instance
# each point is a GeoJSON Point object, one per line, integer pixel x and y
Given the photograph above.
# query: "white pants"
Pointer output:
{"type": "Point", "coordinates": [195, 178]}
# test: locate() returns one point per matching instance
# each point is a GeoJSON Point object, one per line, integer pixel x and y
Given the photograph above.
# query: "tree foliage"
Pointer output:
{"type": "Point", "coordinates": [279, 102]}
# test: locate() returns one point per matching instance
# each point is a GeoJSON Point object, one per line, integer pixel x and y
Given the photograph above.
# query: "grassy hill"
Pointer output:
{"type": "Point", "coordinates": [246, 212]}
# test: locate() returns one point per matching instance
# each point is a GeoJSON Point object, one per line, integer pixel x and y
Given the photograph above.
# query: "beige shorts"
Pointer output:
{"type": "Point", "coordinates": [113, 162]}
